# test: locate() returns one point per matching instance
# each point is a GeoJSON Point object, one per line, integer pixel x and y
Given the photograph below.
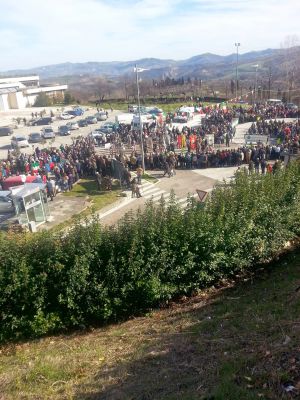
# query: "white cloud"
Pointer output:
{"type": "Point", "coordinates": [38, 33]}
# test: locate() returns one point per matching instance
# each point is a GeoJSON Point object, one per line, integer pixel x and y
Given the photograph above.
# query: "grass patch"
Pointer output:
{"type": "Point", "coordinates": [170, 107]}
{"type": "Point", "coordinates": [98, 199]}
{"type": "Point", "coordinates": [149, 178]}
{"type": "Point", "coordinates": [87, 188]}
{"type": "Point", "coordinates": [233, 342]}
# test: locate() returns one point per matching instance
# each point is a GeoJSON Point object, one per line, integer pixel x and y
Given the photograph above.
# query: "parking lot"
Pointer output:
{"type": "Point", "coordinates": [8, 119]}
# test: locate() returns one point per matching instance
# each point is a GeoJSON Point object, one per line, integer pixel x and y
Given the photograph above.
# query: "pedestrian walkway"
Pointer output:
{"type": "Point", "coordinates": [152, 192]}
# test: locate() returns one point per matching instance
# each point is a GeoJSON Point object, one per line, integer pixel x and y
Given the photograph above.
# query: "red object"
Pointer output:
{"type": "Point", "coordinates": [193, 139]}
{"type": "Point", "coordinates": [179, 141]}
{"type": "Point", "coordinates": [17, 181]}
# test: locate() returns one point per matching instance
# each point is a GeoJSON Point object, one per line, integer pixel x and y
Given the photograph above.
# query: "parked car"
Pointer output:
{"type": "Point", "coordinates": [6, 203]}
{"type": "Point", "coordinates": [292, 106]}
{"type": "Point", "coordinates": [42, 121]}
{"type": "Point", "coordinates": [154, 110]}
{"type": "Point", "coordinates": [73, 125]}
{"type": "Point", "coordinates": [82, 123]}
{"type": "Point", "coordinates": [108, 127]}
{"type": "Point", "coordinates": [77, 111]}
{"type": "Point", "coordinates": [91, 120]}
{"type": "Point", "coordinates": [181, 119]}
{"type": "Point", "coordinates": [48, 133]}
{"type": "Point", "coordinates": [64, 130]}
{"type": "Point", "coordinates": [66, 115]}
{"type": "Point", "coordinates": [19, 141]}
{"type": "Point", "coordinates": [132, 108]}
{"type": "Point", "coordinates": [101, 116]}
{"type": "Point", "coordinates": [98, 134]}
{"type": "Point", "coordinates": [35, 137]}
{"type": "Point", "coordinates": [5, 131]}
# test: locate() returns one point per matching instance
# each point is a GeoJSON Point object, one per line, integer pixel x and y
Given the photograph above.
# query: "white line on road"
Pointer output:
{"type": "Point", "coordinates": [148, 196]}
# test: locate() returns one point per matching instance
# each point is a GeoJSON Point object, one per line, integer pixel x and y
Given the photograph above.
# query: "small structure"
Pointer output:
{"type": "Point", "coordinates": [31, 204]}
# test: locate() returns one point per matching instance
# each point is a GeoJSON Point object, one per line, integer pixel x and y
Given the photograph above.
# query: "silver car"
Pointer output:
{"type": "Point", "coordinates": [19, 141]}
{"type": "Point", "coordinates": [48, 133]}
{"type": "Point", "coordinates": [72, 125]}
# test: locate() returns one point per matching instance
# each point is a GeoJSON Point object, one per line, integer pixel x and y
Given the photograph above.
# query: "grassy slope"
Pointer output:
{"type": "Point", "coordinates": [229, 343]}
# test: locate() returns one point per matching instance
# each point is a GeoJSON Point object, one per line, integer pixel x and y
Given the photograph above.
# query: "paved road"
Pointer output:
{"type": "Point", "coordinates": [25, 130]}
{"type": "Point", "coordinates": [185, 183]}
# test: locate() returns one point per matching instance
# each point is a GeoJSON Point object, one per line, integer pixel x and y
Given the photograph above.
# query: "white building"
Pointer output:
{"type": "Point", "coordinates": [21, 92]}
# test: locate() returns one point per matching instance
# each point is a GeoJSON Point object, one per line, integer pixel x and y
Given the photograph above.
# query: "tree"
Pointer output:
{"type": "Point", "coordinates": [42, 100]}
{"type": "Point", "coordinates": [68, 99]}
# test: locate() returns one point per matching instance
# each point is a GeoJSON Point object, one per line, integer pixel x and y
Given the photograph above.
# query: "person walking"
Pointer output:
{"type": "Point", "coordinates": [50, 191]}
{"type": "Point", "coordinates": [98, 180]}
{"type": "Point", "coordinates": [139, 173]}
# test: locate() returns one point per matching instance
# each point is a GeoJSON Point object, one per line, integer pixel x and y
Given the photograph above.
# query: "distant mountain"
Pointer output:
{"type": "Point", "coordinates": [206, 66]}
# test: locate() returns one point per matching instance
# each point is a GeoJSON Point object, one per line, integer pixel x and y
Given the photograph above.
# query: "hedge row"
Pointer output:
{"type": "Point", "coordinates": [50, 282]}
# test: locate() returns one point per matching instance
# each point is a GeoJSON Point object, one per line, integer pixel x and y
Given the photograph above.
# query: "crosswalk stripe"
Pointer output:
{"type": "Point", "coordinates": [148, 196]}
{"type": "Point", "coordinates": [150, 190]}
{"type": "Point", "coordinates": [146, 186]}
{"type": "Point", "coordinates": [158, 197]}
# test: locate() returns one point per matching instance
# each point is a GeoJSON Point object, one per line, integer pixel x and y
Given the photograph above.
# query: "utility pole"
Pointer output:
{"type": "Point", "coordinates": [255, 87]}
{"type": "Point", "coordinates": [137, 70]}
{"type": "Point", "coordinates": [269, 82]}
{"type": "Point", "coordinates": [237, 45]}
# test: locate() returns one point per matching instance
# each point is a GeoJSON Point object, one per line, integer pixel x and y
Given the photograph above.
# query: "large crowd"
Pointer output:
{"type": "Point", "coordinates": [65, 165]}
{"type": "Point", "coordinates": [166, 148]}
{"type": "Point", "coordinates": [284, 132]}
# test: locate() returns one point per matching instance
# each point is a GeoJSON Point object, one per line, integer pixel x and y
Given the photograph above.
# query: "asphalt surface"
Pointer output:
{"type": "Point", "coordinates": [184, 184]}
{"type": "Point", "coordinates": [7, 119]}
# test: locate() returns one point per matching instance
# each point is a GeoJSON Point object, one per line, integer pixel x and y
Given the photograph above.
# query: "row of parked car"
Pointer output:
{"type": "Point", "coordinates": [47, 132]}
{"type": "Point", "coordinates": [66, 115]}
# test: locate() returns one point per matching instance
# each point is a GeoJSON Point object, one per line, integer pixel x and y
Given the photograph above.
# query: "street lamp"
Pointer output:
{"type": "Point", "coordinates": [137, 70]}
{"type": "Point", "coordinates": [255, 86]}
{"type": "Point", "coordinates": [237, 45]}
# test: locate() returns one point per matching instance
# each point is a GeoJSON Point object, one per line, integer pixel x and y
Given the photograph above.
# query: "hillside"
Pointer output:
{"type": "Point", "coordinates": [206, 66]}
{"type": "Point", "coordinates": [233, 342]}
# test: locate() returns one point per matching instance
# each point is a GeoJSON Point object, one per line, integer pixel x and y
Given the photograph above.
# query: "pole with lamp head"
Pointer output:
{"type": "Point", "coordinates": [137, 70]}
{"type": "Point", "coordinates": [255, 86]}
{"type": "Point", "coordinates": [237, 45]}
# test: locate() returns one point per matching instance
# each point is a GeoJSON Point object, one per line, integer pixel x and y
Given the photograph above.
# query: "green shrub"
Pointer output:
{"type": "Point", "coordinates": [51, 282]}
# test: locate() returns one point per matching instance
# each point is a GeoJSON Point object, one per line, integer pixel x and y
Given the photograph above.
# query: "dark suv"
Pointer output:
{"type": "Point", "coordinates": [43, 121]}
{"type": "Point", "coordinates": [5, 131]}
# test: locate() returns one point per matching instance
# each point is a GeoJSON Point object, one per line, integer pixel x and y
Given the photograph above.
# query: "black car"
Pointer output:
{"type": "Point", "coordinates": [82, 123]}
{"type": "Point", "coordinates": [91, 120]}
{"type": "Point", "coordinates": [5, 131]}
{"type": "Point", "coordinates": [43, 121]}
{"type": "Point", "coordinates": [64, 130]}
{"type": "Point", "coordinates": [35, 137]}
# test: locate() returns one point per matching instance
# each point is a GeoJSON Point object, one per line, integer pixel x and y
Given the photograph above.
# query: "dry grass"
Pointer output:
{"type": "Point", "coordinates": [233, 342]}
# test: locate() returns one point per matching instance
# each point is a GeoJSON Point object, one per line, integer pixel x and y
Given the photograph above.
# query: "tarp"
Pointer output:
{"type": "Point", "coordinates": [17, 181]}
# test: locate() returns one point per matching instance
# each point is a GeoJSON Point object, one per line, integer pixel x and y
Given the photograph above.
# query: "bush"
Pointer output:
{"type": "Point", "coordinates": [50, 282]}
{"type": "Point", "coordinates": [42, 100]}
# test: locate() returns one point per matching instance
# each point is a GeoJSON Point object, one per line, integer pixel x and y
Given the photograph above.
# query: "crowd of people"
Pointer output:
{"type": "Point", "coordinates": [265, 111]}
{"type": "Point", "coordinates": [284, 132]}
{"type": "Point", "coordinates": [166, 148]}
{"type": "Point", "coordinates": [64, 165]}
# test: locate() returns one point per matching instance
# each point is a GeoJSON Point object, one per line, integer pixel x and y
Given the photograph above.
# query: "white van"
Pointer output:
{"type": "Point", "coordinates": [274, 102]}
{"type": "Point", "coordinates": [101, 116]}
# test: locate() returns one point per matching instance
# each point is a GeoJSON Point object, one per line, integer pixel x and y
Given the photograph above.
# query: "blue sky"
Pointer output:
{"type": "Point", "coordinates": [36, 32]}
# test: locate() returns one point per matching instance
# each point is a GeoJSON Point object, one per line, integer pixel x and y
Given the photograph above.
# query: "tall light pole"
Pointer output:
{"type": "Point", "coordinates": [237, 45]}
{"type": "Point", "coordinates": [255, 86]}
{"type": "Point", "coordinates": [137, 70]}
